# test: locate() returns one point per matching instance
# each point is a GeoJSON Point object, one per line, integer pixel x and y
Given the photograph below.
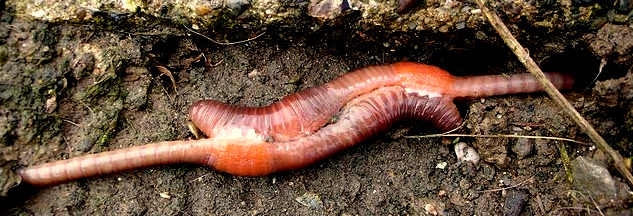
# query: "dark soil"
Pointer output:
{"type": "Point", "coordinates": [68, 90]}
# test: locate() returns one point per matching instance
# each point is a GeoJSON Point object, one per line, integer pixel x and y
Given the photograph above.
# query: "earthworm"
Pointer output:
{"type": "Point", "coordinates": [304, 112]}
{"type": "Point", "coordinates": [252, 141]}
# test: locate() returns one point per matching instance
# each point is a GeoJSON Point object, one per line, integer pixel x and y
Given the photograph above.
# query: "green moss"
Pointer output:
{"type": "Point", "coordinates": [106, 86]}
{"type": "Point", "coordinates": [108, 83]}
{"type": "Point", "coordinates": [103, 124]}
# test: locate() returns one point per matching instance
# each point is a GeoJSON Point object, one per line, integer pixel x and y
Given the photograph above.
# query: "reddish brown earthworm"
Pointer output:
{"type": "Point", "coordinates": [304, 112]}
{"type": "Point", "coordinates": [304, 127]}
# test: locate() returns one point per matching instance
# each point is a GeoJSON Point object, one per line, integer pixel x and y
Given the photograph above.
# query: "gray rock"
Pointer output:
{"type": "Point", "coordinates": [514, 202]}
{"type": "Point", "coordinates": [593, 178]}
{"type": "Point", "coordinates": [237, 5]}
{"type": "Point", "coordinates": [523, 148]}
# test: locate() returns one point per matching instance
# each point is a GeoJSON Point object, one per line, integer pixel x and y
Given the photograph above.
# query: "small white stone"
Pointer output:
{"type": "Point", "coordinates": [441, 165]}
{"type": "Point", "coordinates": [431, 209]}
{"type": "Point", "coordinates": [51, 104]}
{"type": "Point", "coordinates": [165, 195]}
{"type": "Point", "coordinates": [466, 153]}
{"type": "Point", "coordinates": [39, 13]}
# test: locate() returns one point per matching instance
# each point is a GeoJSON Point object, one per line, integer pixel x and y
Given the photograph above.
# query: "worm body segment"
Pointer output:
{"type": "Point", "coordinates": [304, 112]}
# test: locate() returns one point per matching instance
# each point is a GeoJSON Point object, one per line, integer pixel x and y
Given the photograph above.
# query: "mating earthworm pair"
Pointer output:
{"type": "Point", "coordinates": [304, 127]}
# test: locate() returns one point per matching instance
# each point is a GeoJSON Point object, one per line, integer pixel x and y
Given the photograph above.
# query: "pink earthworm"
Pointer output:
{"type": "Point", "coordinates": [304, 112]}
{"type": "Point", "coordinates": [304, 127]}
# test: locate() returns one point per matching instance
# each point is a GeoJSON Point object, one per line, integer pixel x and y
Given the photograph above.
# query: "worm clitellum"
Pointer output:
{"type": "Point", "coordinates": [304, 127]}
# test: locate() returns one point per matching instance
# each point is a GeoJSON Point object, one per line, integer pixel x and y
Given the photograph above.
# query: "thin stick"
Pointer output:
{"type": "Point", "coordinates": [529, 63]}
{"type": "Point", "coordinates": [166, 72]}
{"type": "Point", "coordinates": [71, 122]}
{"type": "Point", "coordinates": [596, 205]}
{"type": "Point", "coordinates": [200, 178]}
{"type": "Point", "coordinates": [222, 43]}
{"type": "Point", "coordinates": [498, 136]}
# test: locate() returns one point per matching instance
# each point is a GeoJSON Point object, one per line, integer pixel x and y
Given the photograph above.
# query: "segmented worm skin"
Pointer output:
{"type": "Point", "coordinates": [305, 112]}
{"type": "Point", "coordinates": [304, 127]}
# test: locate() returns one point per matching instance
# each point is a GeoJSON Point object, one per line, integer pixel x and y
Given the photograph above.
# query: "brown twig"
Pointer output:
{"type": "Point", "coordinates": [529, 63]}
{"type": "Point", "coordinates": [166, 72]}
{"type": "Point", "coordinates": [222, 43]}
{"type": "Point", "coordinates": [596, 205]}
{"type": "Point", "coordinates": [498, 136]}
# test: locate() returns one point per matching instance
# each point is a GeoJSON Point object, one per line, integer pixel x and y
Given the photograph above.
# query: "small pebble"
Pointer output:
{"type": "Point", "coordinates": [38, 14]}
{"type": "Point", "coordinates": [202, 10]}
{"type": "Point", "coordinates": [81, 13]}
{"type": "Point", "coordinates": [165, 195]}
{"type": "Point", "coordinates": [514, 202]}
{"type": "Point", "coordinates": [523, 148]}
{"type": "Point", "coordinates": [431, 209]}
{"type": "Point", "coordinates": [51, 104]}
{"type": "Point", "coordinates": [466, 153]}
{"type": "Point", "coordinates": [460, 25]}
{"type": "Point", "coordinates": [328, 9]}
{"type": "Point", "coordinates": [311, 200]}
{"type": "Point", "coordinates": [253, 73]}
{"type": "Point", "coordinates": [441, 193]}
{"type": "Point", "coordinates": [236, 5]}
{"type": "Point", "coordinates": [441, 165]}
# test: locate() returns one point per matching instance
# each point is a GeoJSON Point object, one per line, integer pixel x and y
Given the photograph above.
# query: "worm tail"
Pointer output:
{"type": "Point", "coordinates": [112, 161]}
{"type": "Point", "coordinates": [484, 86]}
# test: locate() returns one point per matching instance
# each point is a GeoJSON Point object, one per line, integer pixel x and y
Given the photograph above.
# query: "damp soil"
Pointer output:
{"type": "Point", "coordinates": [70, 90]}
